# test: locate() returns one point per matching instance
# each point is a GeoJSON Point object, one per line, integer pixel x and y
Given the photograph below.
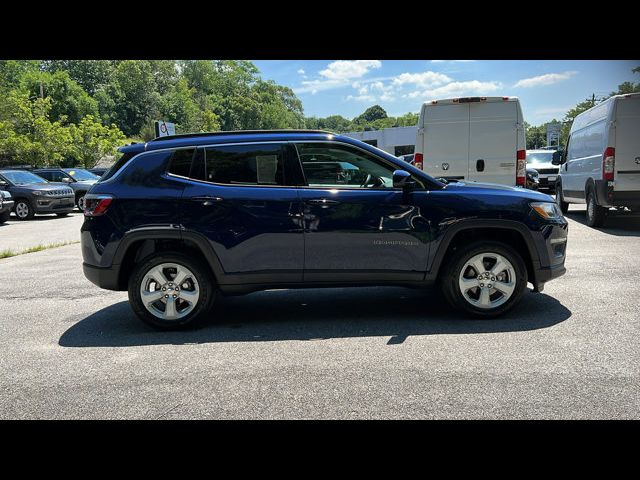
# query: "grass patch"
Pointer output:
{"type": "Point", "coordinates": [12, 253]}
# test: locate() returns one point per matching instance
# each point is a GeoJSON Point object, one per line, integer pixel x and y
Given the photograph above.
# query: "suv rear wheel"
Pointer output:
{"type": "Point", "coordinates": [170, 291]}
{"type": "Point", "coordinates": [23, 210]}
{"type": "Point", "coordinates": [484, 279]}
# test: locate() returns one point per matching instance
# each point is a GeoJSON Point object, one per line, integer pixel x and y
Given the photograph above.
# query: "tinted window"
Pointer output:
{"type": "Point", "coordinates": [403, 150]}
{"type": "Point", "coordinates": [334, 165]}
{"type": "Point", "coordinates": [19, 177]}
{"type": "Point", "coordinates": [257, 164]}
{"type": "Point", "coordinates": [181, 162]}
{"type": "Point", "coordinates": [45, 175]}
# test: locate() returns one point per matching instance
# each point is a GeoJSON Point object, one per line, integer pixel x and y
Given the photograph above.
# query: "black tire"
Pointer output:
{"type": "Point", "coordinates": [24, 204]}
{"type": "Point", "coordinates": [451, 272]}
{"type": "Point", "coordinates": [564, 206]}
{"type": "Point", "coordinates": [4, 216]}
{"type": "Point", "coordinates": [62, 214]}
{"type": "Point", "coordinates": [596, 214]}
{"type": "Point", "coordinates": [80, 201]}
{"type": "Point", "coordinates": [206, 282]}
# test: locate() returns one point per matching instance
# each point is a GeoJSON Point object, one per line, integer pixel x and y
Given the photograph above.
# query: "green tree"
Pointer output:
{"type": "Point", "coordinates": [91, 75]}
{"type": "Point", "coordinates": [92, 141]}
{"type": "Point", "coordinates": [371, 114]}
{"type": "Point", "coordinates": [69, 102]}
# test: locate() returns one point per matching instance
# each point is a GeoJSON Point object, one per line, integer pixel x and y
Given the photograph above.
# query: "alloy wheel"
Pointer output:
{"type": "Point", "coordinates": [169, 291]}
{"type": "Point", "coordinates": [487, 280]}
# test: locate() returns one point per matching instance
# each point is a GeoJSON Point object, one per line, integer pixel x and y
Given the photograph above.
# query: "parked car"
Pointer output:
{"type": "Point", "coordinates": [179, 220]}
{"type": "Point", "coordinates": [79, 179]}
{"type": "Point", "coordinates": [98, 171]}
{"type": "Point", "coordinates": [533, 179]}
{"type": "Point", "coordinates": [6, 205]}
{"type": "Point", "coordinates": [33, 194]}
{"type": "Point", "coordinates": [601, 163]}
{"type": "Point", "coordinates": [476, 138]}
{"type": "Point", "coordinates": [542, 161]}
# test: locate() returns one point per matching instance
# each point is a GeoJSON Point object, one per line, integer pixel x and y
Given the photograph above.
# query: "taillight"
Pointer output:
{"type": "Point", "coordinates": [417, 160]}
{"type": "Point", "coordinates": [96, 205]}
{"type": "Point", "coordinates": [521, 168]}
{"type": "Point", "coordinates": [608, 163]}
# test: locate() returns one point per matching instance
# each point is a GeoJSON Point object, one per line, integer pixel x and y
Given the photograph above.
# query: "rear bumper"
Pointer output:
{"type": "Point", "coordinates": [608, 197]}
{"type": "Point", "coordinates": [106, 278]}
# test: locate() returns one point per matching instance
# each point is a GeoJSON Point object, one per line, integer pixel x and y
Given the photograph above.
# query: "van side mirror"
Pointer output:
{"type": "Point", "coordinates": [557, 157]}
{"type": "Point", "coordinates": [402, 179]}
{"type": "Point", "coordinates": [3, 183]}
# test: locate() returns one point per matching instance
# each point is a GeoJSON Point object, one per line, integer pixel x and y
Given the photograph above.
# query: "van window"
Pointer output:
{"type": "Point", "coordinates": [255, 164]}
{"type": "Point", "coordinates": [587, 142]}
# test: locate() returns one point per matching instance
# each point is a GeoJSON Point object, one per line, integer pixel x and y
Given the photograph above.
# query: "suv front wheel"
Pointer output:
{"type": "Point", "coordinates": [23, 210]}
{"type": "Point", "coordinates": [171, 291]}
{"type": "Point", "coordinates": [484, 279]}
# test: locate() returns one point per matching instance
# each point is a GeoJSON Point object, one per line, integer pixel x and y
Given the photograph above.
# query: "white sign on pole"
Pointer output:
{"type": "Point", "coordinates": [164, 129]}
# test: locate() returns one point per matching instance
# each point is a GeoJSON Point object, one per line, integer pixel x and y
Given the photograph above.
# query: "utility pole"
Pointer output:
{"type": "Point", "coordinates": [593, 99]}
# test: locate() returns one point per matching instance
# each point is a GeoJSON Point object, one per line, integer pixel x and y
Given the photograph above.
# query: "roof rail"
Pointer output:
{"type": "Point", "coordinates": [236, 132]}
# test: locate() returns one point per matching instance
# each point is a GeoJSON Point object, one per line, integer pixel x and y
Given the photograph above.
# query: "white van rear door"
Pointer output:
{"type": "Point", "coordinates": [627, 144]}
{"type": "Point", "coordinates": [493, 136]}
{"type": "Point", "coordinates": [446, 141]}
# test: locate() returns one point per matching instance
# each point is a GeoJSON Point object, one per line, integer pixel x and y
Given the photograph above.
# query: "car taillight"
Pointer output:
{"type": "Point", "coordinates": [521, 167]}
{"type": "Point", "coordinates": [417, 160]}
{"type": "Point", "coordinates": [96, 205]}
{"type": "Point", "coordinates": [608, 163]}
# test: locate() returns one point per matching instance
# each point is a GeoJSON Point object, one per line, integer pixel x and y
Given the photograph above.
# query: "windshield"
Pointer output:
{"type": "Point", "coordinates": [81, 174]}
{"type": "Point", "coordinates": [23, 178]}
{"type": "Point", "coordinates": [540, 157]}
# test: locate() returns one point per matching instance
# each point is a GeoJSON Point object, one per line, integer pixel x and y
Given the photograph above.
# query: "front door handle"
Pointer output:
{"type": "Point", "coordinates": [322, 201]}
{"type": "Point", "coordinates": [206, 200]}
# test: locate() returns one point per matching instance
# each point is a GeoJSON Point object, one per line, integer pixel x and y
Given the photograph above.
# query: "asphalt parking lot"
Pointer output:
{"type": "Point", "coordinates": [18, 235]}
{"type": "Point", "coordinates": [71, 350]}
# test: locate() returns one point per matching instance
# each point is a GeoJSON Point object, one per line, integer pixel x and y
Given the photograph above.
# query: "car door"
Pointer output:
{"type": "Point", "coordinates": [357, 227]}
{"type": "Point", "coordinates": [242, 198]}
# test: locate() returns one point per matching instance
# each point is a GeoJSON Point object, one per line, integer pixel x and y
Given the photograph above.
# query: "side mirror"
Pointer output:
{"type": "Point", "coordinates": [3, 183]}
{"type": "Point", "coordinates": [67, 179]}
{"type": "Point", "coordinates": [402, 179]}
{"type": "Point", "coordinates": [557, 157]}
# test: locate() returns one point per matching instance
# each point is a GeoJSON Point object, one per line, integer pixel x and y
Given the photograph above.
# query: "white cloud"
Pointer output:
{"type": "Point", "coordinates": [547, 79]}
{"type": "Point", "coordinates": [338, 74]}
{"type": "Point", "coordinates": [451, 61]}
{"type": "Point", "coordinates": [362, 98]}
{"type": "Point", "coordinates": [301, 71]}
{"type": "Point", "coordinates": [456, 89]}
{"type": "Point", "coordinates": [426, 79]}
{"type": "Point", "coordinates": [348, 69]}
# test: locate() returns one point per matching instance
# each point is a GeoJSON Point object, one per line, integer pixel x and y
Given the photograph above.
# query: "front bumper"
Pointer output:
{"type": "Point", "coordinates": [548, 181]}
{"type": "Point", "coordinates": [7, 206]}
{"type": "Point", "coordinates": [44, 204]}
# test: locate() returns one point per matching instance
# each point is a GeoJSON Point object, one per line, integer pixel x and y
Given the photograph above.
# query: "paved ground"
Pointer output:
{"type": "Point", "coordinates": [43, 229]}
{"type": "Point", "coordinates": [70, 350]}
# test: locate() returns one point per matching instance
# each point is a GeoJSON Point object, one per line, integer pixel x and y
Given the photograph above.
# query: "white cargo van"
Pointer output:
{"type": "Point", "coordinates": [476, 138]}
{"type": "Point", "coordinates": [601, 163]}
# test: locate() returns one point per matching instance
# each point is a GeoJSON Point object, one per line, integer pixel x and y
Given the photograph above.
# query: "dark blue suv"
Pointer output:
{"type": "Point", "coordinates": [182, 219]}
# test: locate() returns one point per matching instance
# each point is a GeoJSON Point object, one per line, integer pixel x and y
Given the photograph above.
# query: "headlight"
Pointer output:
{"type": "Point", "coordinates": [547, 210]}
{"type": "Point", "coordinates": [38, 193]}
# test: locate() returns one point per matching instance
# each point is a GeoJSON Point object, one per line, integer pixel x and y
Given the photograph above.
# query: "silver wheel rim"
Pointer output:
{"type": "Point", "coordinates": [81, 203]}
{"type": "Point", "coordinates": [169, 291]}
{"type": "Point", "coordinates": [22, 210]}
{"type": "Point", "coordinates": [558, 195]}
{"type": "Point", "coordinates": [590, 207]}
{"type": "Point", "coordinates": [487, 280]}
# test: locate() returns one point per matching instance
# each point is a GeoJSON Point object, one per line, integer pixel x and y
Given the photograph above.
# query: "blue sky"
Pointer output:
{"type": "Point", "coordinates": [546, 88]}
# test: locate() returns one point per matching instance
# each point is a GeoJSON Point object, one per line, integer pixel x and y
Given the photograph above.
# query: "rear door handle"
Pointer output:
{"type": "Point", "coordinates": [206, 199]}
{"type": "Point", "coordinates": [322, 201]}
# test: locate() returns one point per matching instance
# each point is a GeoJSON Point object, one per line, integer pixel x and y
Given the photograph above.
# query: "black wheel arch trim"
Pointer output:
{"type": "Point", "coordinates": [438, 258]}
{"type": "Point", "coordinates": [168, 232]}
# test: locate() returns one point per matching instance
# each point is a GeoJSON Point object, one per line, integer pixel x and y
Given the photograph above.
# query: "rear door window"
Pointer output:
{"type": "Point", "coordinates": [252, 164]}
{"type": "Point", "coordinates": [181, 162]}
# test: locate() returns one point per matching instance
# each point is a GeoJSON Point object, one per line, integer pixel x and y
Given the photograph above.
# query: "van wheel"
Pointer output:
{"type": "Point", "coordinates": [595, 213]}
{"type": "Point", "coordinates": [485, 279]}
{"type": "Point", "coordinates": [564, 206]}
{"type": "Point", "coordinates": [170, 291]}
